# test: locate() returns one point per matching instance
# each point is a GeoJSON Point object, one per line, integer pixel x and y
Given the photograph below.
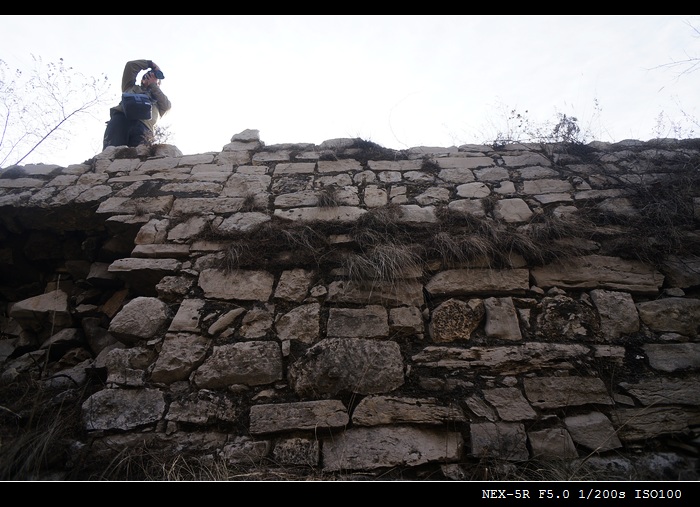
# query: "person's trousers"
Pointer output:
{"type": "Point", "coordinates": [123, 132]}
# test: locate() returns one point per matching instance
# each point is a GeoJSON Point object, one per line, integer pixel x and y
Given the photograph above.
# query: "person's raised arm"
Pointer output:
{"type": "Point", "coordinates": [131, 70]}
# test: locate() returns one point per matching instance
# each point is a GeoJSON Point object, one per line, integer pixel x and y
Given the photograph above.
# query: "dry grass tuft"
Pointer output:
{"type": "Point", "coordinates": [36, 430]}
{"type": "Point", "coordinates": [383, 263]}
{"type": "Point", "coordinates": [249, 203]}
{"type": "Point", "coordinates": [457, 250]}
{"type": "Point", "coordinates": [328, 197]}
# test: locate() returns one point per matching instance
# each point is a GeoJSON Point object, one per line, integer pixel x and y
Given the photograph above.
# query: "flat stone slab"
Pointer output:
{"type": "Point", "coordinates": [599, 272]}
{"type": "Point", "coordinates": [369, 448]}
{"type": "Point", "coordinates": [306, 415]}
{"type": "Point", "coordinates": [462, 282]}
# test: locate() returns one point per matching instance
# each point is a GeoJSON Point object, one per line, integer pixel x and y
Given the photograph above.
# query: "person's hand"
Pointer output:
{"type": "Point", "coordinates": [155, 69]}
{"type": "Point", "coordinates": [149, 78]}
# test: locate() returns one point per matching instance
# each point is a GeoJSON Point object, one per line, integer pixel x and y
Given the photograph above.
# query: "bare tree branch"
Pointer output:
{"type": "Point", "coordinates": [41, 105]}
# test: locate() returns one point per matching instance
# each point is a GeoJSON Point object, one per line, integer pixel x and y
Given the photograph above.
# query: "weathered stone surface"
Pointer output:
{"type": "Point", "coordinates": [481, 409]}
{"type": "Point", "coordinates": [188, 316]}
{"type": "Point", "coordinates": [513, 210]}
{"type": "Point", "coordinates": [464, 163]}
{"type": "Point", "coordinates": [406, 320]}
{"type": "Point", "coordinates": [599, 272]}
{"type": "Point", "coordinates": [379, 410]}
{"type": "Point", "coordinates": [617, 313]}
{"type": "Point", "coordinates": [127, 206]}
{"type": "Point", "coordinates": [546, 186]}
{"type": "Point", "coordinates": [526, 159]}
{"type": "Point", "coordinates": [502, 319]}
{"type": "Point", "coordinates": [554, 392]}
{"type": "Point", "coordinates": [244, 450]}
{"type": "Point", "coordinates": [682, 271]}
{"type": "Point", "coordinates": [301, 323]}
{"type": "Point", "coordinates": [161, 251]}
{"type": "Point", "coordinates": [412, 213]}
{"type": "Point", "coordinates": [404, 292]}
{"type": "Point", "coordinates": [241, 284]}
{"type": "Point", "coordinates": [256, 323]}
{"type": "Point", "coordinates": [307, 415]}
{"type": "Point", "coordinates": [311, 214]}
{"type": "Point", "coordinates": [636, 424]}
{"type": "Point", "coordinates": [294, 284]}
{"type": "Point", "coordinates": [248, 363]}
{"type": "Point", "coordinates": [129, 326]}
{"type": "Point", "coordinates": [492, 174]}
{"type": "Point", "coordinates": [593, 431]}
{"type": "Point", "coordinates": [671, 357]}
{"type": "Point", "coordinates": [125, 366]}
{"type": "Point", "coordinates": [120, 409]}
{"type": "Point", "coordinates": [363, 366]}
{"type": "Point", "coordinates": [455, 320]}
{"type": "Point", "coordinates": [187, 230]}
{"type": "Point", "coordinates": [475, 190]}
{"type": "Point", "coordinates": [369, 322]}
{"type": "Point", "coordinates": [203, 407]}
{"type": "Point", "coordinates": [179, 355]}
{"type": "Point", "coordinates": [673, 315]}
{"type": "Point", "coordinates": [469, 206]}
{"type": "Point", "coordinates": [379, 447]}
{"type": "Point", "coordinates": [554, 443]}
{"type": "Point", "coordinates": [155, 231]}
{"type": "Point", "coordinates": [200, 205]}
{"type": "Point", "coordinates": [464, 282]}
{"type": "Point", "coordinates": [43, 314]}
{"type": "Point", "coordinates": [223, 323]}
{"type": "Point", "coordinates": [662, 391]}
{"type": "Point", "coordinates": [510, 404]}
{"type": "Point", "coordinates": [507, 360]}
{"type": "Point", "coordinates": [561, 317]}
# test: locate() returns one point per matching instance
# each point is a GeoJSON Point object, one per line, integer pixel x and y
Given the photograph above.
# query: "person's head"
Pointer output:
{"type": "Point", "coordinates": [149, 76]}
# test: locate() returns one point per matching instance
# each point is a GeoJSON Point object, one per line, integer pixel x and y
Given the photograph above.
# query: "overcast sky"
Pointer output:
{"type": "Point", "coordinates": [399, 81]}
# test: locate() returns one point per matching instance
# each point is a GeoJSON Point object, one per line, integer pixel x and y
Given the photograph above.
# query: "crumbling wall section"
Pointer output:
{"type": "Point", "coordinates": [345, 309]}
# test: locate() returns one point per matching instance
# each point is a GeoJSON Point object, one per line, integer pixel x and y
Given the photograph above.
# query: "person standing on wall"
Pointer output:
{"type": "Point", "coordinates": [124, 131]}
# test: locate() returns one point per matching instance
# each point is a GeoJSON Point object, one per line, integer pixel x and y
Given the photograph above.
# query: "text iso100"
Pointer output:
{"type": "Point", "coordinates": [657, 493]}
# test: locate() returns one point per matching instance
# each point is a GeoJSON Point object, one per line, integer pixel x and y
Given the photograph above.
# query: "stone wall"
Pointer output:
{"type": "Point", "coordinates": [345, 310]}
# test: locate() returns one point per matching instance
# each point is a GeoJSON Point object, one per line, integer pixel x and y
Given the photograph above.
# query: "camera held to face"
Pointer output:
{"type": "Point", "coordinates": [158, 73]}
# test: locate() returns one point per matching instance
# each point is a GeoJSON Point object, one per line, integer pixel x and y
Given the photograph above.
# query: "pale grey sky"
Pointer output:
{"type": "Point", "coordinates": [399, 81]}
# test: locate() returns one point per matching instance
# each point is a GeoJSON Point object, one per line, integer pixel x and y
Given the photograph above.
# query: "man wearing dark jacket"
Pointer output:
{"type": "Point", "coordinates": [122, 131]}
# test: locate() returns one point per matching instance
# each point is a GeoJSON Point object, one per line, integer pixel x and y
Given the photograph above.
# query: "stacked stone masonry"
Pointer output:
{"type": "Point", "coordinates": [347, 309]}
